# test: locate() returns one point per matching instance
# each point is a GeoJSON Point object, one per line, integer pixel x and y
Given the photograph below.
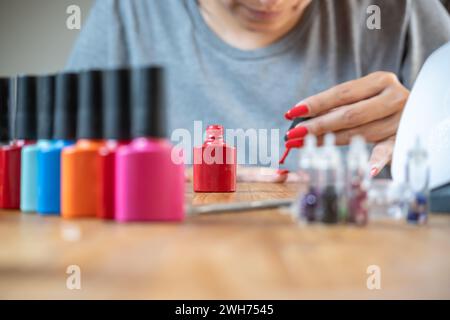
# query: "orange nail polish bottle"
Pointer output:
{"type": "Point", "coordinates": [79, 165]}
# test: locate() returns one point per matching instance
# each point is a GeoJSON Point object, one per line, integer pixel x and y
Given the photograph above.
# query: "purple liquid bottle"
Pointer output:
{"type": "Point", "coordinates": [308, 200]}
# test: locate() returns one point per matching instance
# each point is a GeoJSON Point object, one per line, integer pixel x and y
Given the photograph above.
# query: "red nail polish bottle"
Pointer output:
{"type": "Point", "coordinates": [116, 131]}
{"type": "Point", "coordinates": [19, 111]}
{"type": "Point", "coordinates": [214, 163]}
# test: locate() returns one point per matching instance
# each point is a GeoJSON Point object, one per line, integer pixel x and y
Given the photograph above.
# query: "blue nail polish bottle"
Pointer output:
{"type": "Point", "coordinates": [26, 116]}
{"type": "Point", "coordinates": [49, 157]}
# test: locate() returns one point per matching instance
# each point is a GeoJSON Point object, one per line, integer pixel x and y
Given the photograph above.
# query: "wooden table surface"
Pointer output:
{"type": "Point", "coordinates": [257, 255]}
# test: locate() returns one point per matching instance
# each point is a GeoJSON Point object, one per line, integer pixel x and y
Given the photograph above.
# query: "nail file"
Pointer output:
{"type": "Point", "coordinates": [239, 206]}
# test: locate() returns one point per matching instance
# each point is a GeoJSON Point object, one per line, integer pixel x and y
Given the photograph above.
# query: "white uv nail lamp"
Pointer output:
{"type": "Point", "coordinates": [427, 116]}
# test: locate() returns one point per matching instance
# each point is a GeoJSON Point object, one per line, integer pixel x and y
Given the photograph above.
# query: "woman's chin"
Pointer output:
{"type": "Point", "coordinates": [261, 26]}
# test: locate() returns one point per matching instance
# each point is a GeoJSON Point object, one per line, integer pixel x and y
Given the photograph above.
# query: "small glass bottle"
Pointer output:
{"type": "Point", "coordinates": [417, 178]}
{"type": "Point", "coordinates": [330, 181]}
{"type": "Point", "coordinates": [357, 181]}
{"type": "Point", "coordinates": [308, 199]}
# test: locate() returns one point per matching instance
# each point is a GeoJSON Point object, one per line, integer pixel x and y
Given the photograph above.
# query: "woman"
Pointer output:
{"type": "Point", "coordinates": [348, 64]}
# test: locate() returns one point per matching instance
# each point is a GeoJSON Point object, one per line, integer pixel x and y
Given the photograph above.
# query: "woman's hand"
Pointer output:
{"type": "Point", "coordinates": [370, 106]}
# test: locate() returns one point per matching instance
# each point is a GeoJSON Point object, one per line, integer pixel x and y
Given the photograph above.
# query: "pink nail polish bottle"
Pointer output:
{"type": "Point", "coordinates": [149, 185]}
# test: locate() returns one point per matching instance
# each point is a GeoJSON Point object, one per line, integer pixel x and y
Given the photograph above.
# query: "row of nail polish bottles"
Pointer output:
{"type": "Point", "coordinates": [26, 181]}
{"type": "Point", "coordinates": [120, 165]}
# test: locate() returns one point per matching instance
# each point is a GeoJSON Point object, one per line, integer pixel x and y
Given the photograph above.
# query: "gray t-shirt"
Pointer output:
{"type": "Point", "coordinates": [211, 81]}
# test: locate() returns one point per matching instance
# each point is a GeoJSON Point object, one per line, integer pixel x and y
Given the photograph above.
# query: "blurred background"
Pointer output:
{"type": "Point", "coordinates": [33, 34]}
{"type": "Point", "coordinates": [34, 37]}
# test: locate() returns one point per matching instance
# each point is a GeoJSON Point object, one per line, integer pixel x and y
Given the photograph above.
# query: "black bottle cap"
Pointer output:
{"type": "Point", "coordinates": [89, 125]}
{"type": "Point", "coordinates": [116, 104]}
{"type": "Point", "coordinates": [4, 109]}
{"type": "Point", "coordinates": [148, 111]}
{"type": "Point", "coordinates": [66, 104]}
{"type": "Point", "coordinates": [12, 107]}
{"type": "Point", "coordinates": [26, 117]}
{"type": "Point", "coordinates": [45, 106]}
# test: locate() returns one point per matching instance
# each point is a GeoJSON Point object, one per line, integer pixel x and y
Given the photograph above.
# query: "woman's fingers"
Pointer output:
{"type": "Point", "coordinates": [381, 155]}
{"type": "Point", "coordinates": [389, 102]}
{"type": "Point", "coordinates": [372, 132]}
{"type": "Point", "coordinates": [343, 94]}
{"type": "Point", "coordinates": [350, 116]}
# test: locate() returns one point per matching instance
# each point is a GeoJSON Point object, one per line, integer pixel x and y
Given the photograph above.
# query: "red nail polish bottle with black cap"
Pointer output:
{"type": "Point", "coordinates": [9, 154]}
{"type": "Point", "coordinates": [116, 132]}
{"type": "Point", "coordinates": [22, 128]}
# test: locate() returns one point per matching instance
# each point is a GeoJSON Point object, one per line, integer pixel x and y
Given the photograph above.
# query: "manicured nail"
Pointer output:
{"type": "Point", "coordinates": [298, 132]}
{"type": "Point", "coordinates": [294, 143]}
{"type": "Point", "coordinates": [297, 111]}
{"type": "Point", "coordinates": [374, 172]}
{"type": "Point", "coordinates": [281, 172]}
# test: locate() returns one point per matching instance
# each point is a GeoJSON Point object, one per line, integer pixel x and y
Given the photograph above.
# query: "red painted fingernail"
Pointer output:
{"type": "Point", "coordinates": [294, 143]}
{"type": "Point", "coordinates": [281, 172]}
{"type": "Point", "coordinates": [298, 132]}
{"type": "Point", "coordinates": [374, 172]}
{"type": "Point", "coordinates": [297, 111]}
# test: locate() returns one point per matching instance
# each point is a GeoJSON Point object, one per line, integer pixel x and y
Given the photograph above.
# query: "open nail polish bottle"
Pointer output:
{"type": "Point", "coordinates": [214, 163]}
{"type": "Point", "coordinates": [149, 182]}
{"type": "Point", "coordinates": [116, 132]}
{"type": "Point", "coordinates": [79, 163]}
{"type": "Point", "coordinates": [64, 133]}
{"type": "Point", "coordinates": [22, 103]}
{"type": "Point", "coordinates": [29, 175]}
